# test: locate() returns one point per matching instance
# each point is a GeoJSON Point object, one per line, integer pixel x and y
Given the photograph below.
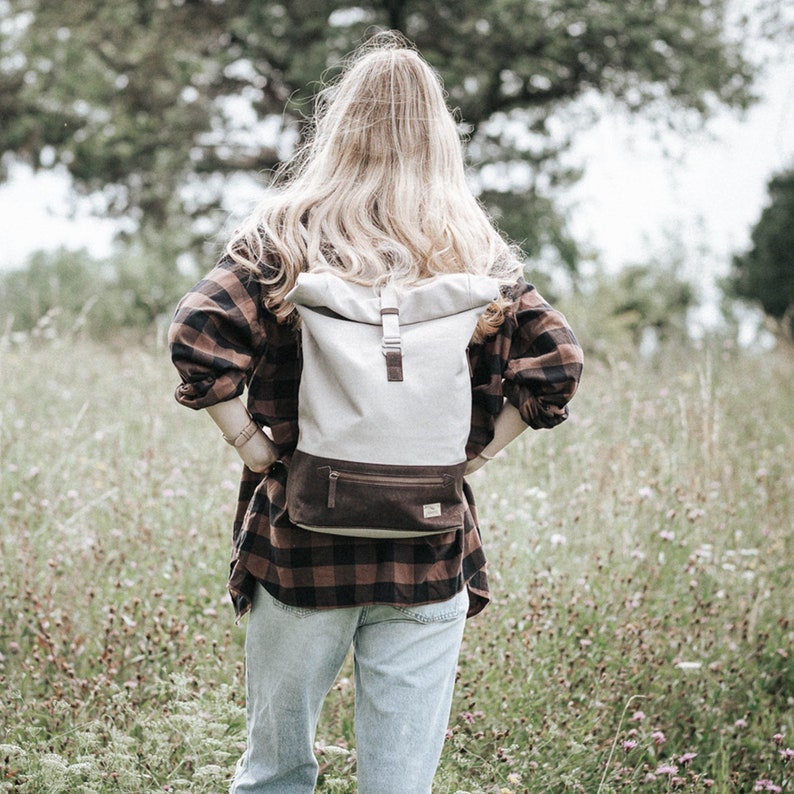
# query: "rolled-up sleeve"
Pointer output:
{"type": "Point", "coordinates": [544, 363]}
{"type": "Point", "coordinates": [215, 336]}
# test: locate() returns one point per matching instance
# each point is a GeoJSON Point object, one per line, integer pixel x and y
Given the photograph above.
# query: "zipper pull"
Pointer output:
{"type": "Point", "coordinates": [333, 476]}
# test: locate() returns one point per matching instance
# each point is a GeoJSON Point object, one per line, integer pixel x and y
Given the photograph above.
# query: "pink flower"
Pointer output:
{"type": "Point", "coordinates": [666, 769]}
{"type": "Point", "coordinates": [787, 754]}
{"type": "Point", "coordinates": [687, 757]}
{"type": "Point", "coordinates": [778, 738]}
{"type": "Point", "coordinates": [659, 737]}
{"type": "Point", "coordinates": [629, 744]}
{"type": "Point", "coordinates": [766, 785]}
{"type": "Point", "coordinates": [740, 723]}
{"type": "Point", "coordinates": [638, 716]}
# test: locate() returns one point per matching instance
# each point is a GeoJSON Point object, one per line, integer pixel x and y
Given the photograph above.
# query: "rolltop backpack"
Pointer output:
{"type": "Point", "coordinates": [384, 404]}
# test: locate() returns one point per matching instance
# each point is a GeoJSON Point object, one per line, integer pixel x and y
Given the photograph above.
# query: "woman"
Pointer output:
{"type": "Point", "coordinates": [378, 193]}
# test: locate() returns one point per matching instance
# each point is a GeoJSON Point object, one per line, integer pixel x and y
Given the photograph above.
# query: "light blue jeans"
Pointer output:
{"type": "Point", "coordinates": [405, 667]}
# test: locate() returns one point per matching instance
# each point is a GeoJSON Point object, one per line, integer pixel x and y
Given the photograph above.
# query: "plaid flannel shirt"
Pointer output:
{"type": "Point", "coordinates": [224, 342]}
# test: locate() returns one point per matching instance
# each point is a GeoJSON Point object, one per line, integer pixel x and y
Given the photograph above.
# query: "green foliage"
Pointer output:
{"type": "Point", "coordinates": [639, 559]}
{"type": "Point", "coordinates": [66, 292]}
{"type": "Point", "coordinates": [765, 273]}
{"type": "Point", "coordinates": [141, 99]}
{"type": "Point", "coordinates": [613, 314]}
{"type": "Point", "coordinates": [50, 285]}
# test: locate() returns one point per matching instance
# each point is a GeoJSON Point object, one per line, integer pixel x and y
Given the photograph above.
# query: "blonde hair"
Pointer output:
{"type": "Point", "coordinates": [378, 191]}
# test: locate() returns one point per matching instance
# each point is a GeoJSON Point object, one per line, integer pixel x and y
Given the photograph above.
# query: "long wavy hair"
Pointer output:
{"type": "Point", "coordinates": [378, 191]}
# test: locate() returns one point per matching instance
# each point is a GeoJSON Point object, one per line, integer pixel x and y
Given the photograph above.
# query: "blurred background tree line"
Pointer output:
{"type": "Point", "coordinates": [155, 107]}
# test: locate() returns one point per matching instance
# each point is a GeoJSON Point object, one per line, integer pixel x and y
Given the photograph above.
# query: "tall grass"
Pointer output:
{"type": "Point", "coordinates": [640, 634]}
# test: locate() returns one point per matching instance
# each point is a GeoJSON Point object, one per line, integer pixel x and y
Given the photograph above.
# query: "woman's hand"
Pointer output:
{"type": "Point", "coordinates": [252, 444]}
{"type": "Point", "coordinates": [475, 464]}
{"type": "Point", "coordinates": [259, 452]}
{"type": "Point", "coordinates": [508, 426]}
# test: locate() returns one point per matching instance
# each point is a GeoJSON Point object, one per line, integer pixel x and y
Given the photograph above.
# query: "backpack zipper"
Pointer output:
{"type": "Point", "coordinates": [407, 480]}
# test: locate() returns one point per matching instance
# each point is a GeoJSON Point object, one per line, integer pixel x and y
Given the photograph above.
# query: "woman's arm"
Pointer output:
{"type": "Point", "coordinates": [507, 427]}
{"type": "Point", "coordinates": [541, 368]}
{"type": "Point", "coordinates": [215, 336]}
{"type": "Point", "coordinates": [239, 429]}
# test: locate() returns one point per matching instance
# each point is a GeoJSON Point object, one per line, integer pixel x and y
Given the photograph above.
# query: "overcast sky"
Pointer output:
{"type": "Point", "coordinates": [710, 191]}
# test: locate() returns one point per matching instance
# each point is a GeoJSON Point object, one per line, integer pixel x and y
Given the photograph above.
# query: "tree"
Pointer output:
{"type": "Point", "coordinates": [153, 104]}
{"type": "Point", "coordinates": [643, 307]}
{"type": "Point", "coordinates": [765, 273]}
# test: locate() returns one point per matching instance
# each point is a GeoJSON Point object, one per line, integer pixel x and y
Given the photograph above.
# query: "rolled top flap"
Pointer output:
{"type": "Point", "coordinates": [442, 296]}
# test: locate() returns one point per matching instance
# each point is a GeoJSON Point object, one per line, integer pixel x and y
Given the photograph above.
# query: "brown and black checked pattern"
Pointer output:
{"type": "Point", "coordinates": [310, 569]}
{"type": "Point", "coordinates": [224, 341]}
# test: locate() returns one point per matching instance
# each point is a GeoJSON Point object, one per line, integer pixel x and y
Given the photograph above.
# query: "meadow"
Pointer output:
{"type": "Point", "coordinates": [640, 637]}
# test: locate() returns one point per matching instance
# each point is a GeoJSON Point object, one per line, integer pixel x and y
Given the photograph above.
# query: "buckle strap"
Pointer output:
{"type": "Point", "coordinates": [392, 341]}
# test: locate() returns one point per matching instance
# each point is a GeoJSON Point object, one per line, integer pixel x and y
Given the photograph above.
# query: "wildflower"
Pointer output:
{"type": "Point", "coordinates": [629, 744]}
{"type": "Point", "coordinates": [666, 769]}
{"type": "Point", "coordinates": [687, 757]}
{"type": "Point", "coordinates": [778, 738]}
{"type": "Point", "coordinates": [740, 723]}
{"type": "Point", "coordinates": [11, 750]}
{"type": "Point", "coordinates": [514, 779]}
{"type": "Point", "coordinates": [558, 540]}
{"type": "Point", "coordinates": [638, 716]}
{"type": "Point", "coordinates": [787, 754]}
{"type": "Point", "coordinates": [335, 749]}
{"type": "Point", "coordinates": [766, 785]}
{"type": "Point", "coordinates": [658, 738]}
{"type": "Point", "coordinates": [667, 534]}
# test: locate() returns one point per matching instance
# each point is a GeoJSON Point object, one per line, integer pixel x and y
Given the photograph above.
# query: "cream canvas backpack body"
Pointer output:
{"type": "Point", "coordinates": [384, 404]}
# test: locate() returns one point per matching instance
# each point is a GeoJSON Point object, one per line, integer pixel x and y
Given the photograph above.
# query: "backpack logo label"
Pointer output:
{"type": "Point", "coordinates": [432, 510]}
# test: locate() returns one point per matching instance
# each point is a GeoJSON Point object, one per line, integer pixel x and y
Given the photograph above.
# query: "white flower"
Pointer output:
{"type": "Point", "coordinates": [689, 665]}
